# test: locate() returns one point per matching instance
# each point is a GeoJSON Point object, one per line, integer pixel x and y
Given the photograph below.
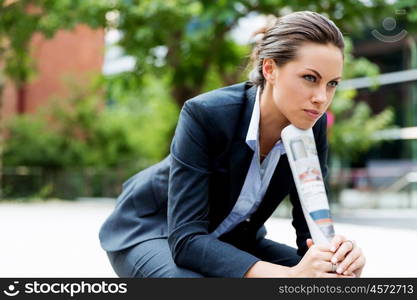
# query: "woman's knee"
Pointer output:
{"type": "Point", "coordinates": [148, 259]}
{"type": "Point", "coordinates": [117, 262]}
{"type": "Point", "coordinates": [169, 270]}
{"type": "Point", "coordinates": [177, 272]}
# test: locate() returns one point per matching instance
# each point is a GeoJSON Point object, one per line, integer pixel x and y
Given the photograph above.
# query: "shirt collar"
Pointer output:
{"type": "Point", "coordinates": [252, 135]}
{"type": "Point", "coordinates": [253, 130]}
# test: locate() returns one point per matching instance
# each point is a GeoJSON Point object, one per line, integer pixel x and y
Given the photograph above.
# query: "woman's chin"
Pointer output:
{"type": "Point", "coordinates": [303, 125]}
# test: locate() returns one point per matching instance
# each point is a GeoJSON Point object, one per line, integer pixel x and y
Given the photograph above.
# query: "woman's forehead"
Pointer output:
{"type": "Point", "coordinates": [325, 59]}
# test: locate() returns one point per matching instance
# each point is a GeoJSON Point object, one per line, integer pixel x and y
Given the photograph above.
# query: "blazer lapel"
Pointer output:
{"type": "Point", "coordinates": [240, 153]}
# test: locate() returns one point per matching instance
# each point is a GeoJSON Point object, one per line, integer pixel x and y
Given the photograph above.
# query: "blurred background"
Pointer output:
{"type": "Point", "coordinates": [90, 92]}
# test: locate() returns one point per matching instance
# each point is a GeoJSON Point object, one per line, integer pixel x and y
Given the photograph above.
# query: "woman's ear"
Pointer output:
{"type": "Point", "coordinates": [269, 70]}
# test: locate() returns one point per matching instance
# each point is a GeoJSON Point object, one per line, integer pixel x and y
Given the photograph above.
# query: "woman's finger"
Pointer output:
{"type": "Point", "coordinates": [324, 269]}
{"type": "Point", "coordinates": [329, 267]}
{"type": "Point", "coordinates": [336, 242]}
{"type": "Point", "coordinates": [342, 251]}
{"type": "Point", "coordinates": [335, 275]}
{"type": "Point", "coordinates": [324, 248]}
{"type": "Point", "coordinates": [320, 255]}
{"type": "Point", "coordinates": [357, 264]}
{"type": "Point", "coordinates": [348, 260]}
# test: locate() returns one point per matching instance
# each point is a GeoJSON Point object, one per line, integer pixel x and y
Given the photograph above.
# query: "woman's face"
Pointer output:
{"type": "Point", "coordinates": [303, 88]}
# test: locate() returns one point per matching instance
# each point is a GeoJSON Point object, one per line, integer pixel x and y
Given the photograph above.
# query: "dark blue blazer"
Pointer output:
{"type": "Point", "coordinates": [188, 194]}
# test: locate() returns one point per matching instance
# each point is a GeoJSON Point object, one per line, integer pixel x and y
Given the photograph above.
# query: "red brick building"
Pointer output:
{"type": "Point", "coordinates": [76, 54]}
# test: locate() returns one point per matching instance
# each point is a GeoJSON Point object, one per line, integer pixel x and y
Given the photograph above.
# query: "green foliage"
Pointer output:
{"type": "Point", "coordinates": [20, 20]}
{"type": "Point", "coordinates": [181, 48]}
{"type": "Point", "coordinates": [82, 132]}
{"type": "Point", "coordinates": [27, 131]}
{"type": "Point", "coordinates": [355, 124]}
{"type": "Point", "coordinates": [352, 135]}
{"type": "Point", "coordinates": [410, 6]}
{"type": "Point", "coordinates": [358, 66]}
{"type": "Point", "coordinates": [196, 35]}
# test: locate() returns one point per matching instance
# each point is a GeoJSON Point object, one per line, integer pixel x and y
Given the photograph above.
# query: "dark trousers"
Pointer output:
{"type": "Point", "coordinates": [153, 259]}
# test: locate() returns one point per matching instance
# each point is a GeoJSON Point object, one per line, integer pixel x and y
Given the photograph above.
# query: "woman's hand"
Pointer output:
{"type": "Point", "coordinates": [347, 255]}
{"type": "Point", "coordinates": [316, 263]}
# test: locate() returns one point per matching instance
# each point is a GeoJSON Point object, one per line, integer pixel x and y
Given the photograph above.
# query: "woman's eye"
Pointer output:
{"type": "Point", "coordinates": [310, 78]}
{"type": "Point", "coordinates": [333, 83]}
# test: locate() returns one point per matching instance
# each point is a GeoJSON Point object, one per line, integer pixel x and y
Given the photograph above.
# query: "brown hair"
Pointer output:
{"type": "Point", "coordinates": [282, 40]}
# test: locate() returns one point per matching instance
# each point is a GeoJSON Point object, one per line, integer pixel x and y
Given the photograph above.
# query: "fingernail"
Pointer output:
{"type": "Point", "coordinates": [334, 260]}
{"type": "Point", "coordinates": [339, 270]}
{"type": "Point", "coordinates": [333, 249]}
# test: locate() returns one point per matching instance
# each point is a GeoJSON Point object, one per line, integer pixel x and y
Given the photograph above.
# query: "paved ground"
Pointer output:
{"type": "Point", "coordinates": [59, 239]}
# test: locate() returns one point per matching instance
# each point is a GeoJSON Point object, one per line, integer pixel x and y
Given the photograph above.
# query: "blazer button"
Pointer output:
{"type": "Point", "coordinates": [247, 220]}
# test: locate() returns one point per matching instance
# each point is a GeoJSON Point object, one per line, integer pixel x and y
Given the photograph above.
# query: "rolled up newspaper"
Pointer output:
{"type": "Point", "coordinates": [305, 166]}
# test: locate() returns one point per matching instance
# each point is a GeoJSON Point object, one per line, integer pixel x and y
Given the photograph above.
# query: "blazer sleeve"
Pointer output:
{"type": "Point", "coordinates": [299, 222]}
{"type": "Point", "coordinates": [191, 244]}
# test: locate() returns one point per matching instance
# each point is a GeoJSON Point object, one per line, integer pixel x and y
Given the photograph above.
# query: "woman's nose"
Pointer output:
{"type": "Point", "coordinates": [320, 96]}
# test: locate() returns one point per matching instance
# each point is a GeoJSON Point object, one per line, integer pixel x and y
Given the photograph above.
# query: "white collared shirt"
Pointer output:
{"type": "Point", "coordinates": [258, 176]}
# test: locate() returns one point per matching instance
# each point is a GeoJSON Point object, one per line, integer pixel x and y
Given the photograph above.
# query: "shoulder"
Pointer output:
{"type": "Point", "coordinates": [219, 112]}
{"type": "Point", "coordinates": [208, 123]}
{"type": "Point", "coordinates": [225, 98]}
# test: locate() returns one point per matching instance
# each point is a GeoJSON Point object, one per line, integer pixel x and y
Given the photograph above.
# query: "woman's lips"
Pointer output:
{"type": "Point", "coordinates": [314, 114]}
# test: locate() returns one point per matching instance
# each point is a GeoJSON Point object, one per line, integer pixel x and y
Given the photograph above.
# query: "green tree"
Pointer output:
{"type": "Point", "coordinates": [86, 148]}
{"type": "Point", "coordinates": [81, 132]}
{"type": "Point", "coordinates": [20, 20]}
{"type": "Point", "coordinates": [191, 43]}
{"type": "Point", "coordinates": [182, 47]}
{"type": "Point", "coordinates": [185, 39]}
{"type": "Point", "coordinates": [351, 134]}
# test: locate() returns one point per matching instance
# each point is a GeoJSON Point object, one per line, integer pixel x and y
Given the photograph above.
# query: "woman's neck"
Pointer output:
{"type": "Point", "coordinates": [271, 122]}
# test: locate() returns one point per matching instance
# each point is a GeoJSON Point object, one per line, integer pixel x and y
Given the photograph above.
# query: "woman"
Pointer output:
{"type": "Point", "coordinates": [200, 212]}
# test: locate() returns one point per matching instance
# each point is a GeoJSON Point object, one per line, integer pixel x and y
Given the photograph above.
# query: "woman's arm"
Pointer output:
{"type": "Point", "coordinates": [315, 263]}
{"type": "Point", "coordinates": [263, 269]}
